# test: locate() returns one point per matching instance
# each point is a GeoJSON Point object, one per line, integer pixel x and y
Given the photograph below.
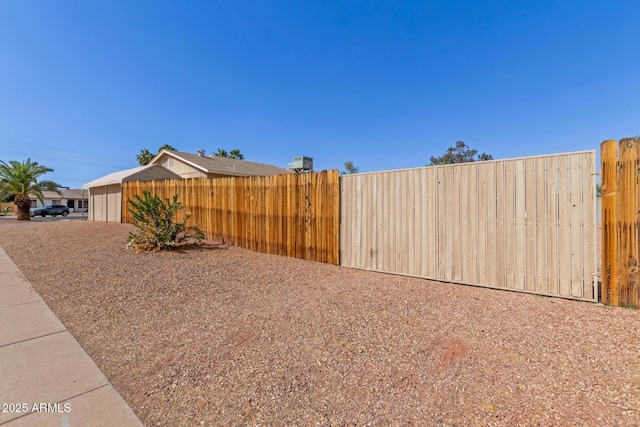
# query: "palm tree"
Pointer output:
{"type": "Point", "coordinates": [20, 180]}
{"type": "Point", "coordinates": [144, 157]}
{"type": "Point", "coordinates": [221, 153]}
{"type": "Point", "coordinates": [166, 147]}
{"type": "Point", "coordinates": [236, 154]}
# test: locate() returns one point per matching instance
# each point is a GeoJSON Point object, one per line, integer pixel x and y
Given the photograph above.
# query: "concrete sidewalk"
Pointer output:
{"type": "Point", "coordinates": [46, 377]}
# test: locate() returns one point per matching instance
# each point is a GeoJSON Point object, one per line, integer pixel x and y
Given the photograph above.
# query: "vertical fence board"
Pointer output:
{"type": "Point", "coordinates": [552, 215]}
{"type": "Point", "coordinates": [491, 225]}
{"type": "Point", "coordinates": [481, 257]}
{"type": "Point", "coordinates": [409, 229]}
{"type": "Point", "coordinates": [387, 235]}
{"type": "Point", "coordinates": [373, 226]}
{"type": "Point", "coordinates": [419, 243]}
{"type": "Point", "coordinates": [357, 243]}
{"type": "Point", "coordinates": [396, 226]}
{"type": "Point", "coordinates": [501, 227]}
{"type": "Point", "coordinates": [440, 206]}
{"type": "Point", "coordinates": [530, 210]}
{"type": "Point", "coordinates": [380, 222]}
{"type": "Point", "coordinates": [400, 223]}
{"type": "Point", "coordinates": [564, 230]}
{"type": "Point", "coordinates": [520, 213]}
{"type": "Point", "coordinates": [464, 225]}
{"type": "Point", "coordinates": [346, 221]}
{"type": "Point", "coordinates": [542, 225]}
{"type": "Point", "coordinates": [589, 226]}
{"type": "Point", "coordinates": [510, 224]}
{"type": "Point", "coordinates": [333, 190]}
{"type": "Point", "coordinates": [575, 224]}
{"type": "Point", "coordinates": [610, 275]}
{"type": "Point", "coordinates": [430, 233]}
{"type": "Point", "coordinates": [628, 222]}
{"type": "Point", "coordinates": [454, 251]}
{"type": "Point", "coordinates": [474, 227]}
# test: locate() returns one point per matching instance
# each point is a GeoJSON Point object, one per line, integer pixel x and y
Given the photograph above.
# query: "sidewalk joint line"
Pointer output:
{"type": "Point", "coordinates": [23, 303]}
{"type": "Point", "coordinates": [35, 338]}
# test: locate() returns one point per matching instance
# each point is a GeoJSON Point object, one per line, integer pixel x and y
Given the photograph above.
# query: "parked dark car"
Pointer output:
{"type": "Point", "coordinates": [53, 210]}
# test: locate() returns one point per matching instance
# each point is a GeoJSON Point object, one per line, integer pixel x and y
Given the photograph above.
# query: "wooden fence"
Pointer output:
{"type": "Point", "coordinates": [10, 205]}
{"type": "Point", "coordinates": [296, 215]}
{"type": "Point", "coordinates": [620, 217]}
{"type": "Point", "coordinates": [525, 224]}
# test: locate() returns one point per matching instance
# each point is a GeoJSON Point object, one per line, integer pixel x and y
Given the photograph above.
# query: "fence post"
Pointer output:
{"type": "Point", "coordinates": [628, 214]}
{"type": "Point", "coordinates": [610, 249]}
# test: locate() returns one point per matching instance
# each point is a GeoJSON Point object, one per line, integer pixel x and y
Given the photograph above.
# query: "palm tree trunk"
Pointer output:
{"type": "Point", "coordinates": [23, 204]}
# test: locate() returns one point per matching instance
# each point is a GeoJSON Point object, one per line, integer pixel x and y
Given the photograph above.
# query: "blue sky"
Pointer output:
{"type": "Point", "coordinates": [85, 85]}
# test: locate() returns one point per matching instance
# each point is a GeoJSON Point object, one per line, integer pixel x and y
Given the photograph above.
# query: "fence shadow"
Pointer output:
{"type": "Point", "coordinates": [194, 247]}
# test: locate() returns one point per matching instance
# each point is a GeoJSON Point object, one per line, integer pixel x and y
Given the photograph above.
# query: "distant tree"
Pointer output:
{"type": "Point", "coordinates": [236, 154]}
{"type": "Point", "coordinates": [459, 154]}
{"type": "Point", "coordinates": [166, 147]}
{"type": "Point", "coordinates": [20, 180]}
{"type": "Point", "coordinates": [233, 154]}
{"type": "Point", "coordinates": [144, 157]}
{"type": "Point", "coordinates": [350, 168]}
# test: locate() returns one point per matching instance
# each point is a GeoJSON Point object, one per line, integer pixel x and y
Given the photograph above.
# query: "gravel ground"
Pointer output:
{"type": "Point", "coordinates": [224, 336]}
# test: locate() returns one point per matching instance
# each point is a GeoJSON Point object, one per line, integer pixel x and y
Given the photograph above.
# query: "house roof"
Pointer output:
{"type": "Point", "coordinates": [221, 165]}
{"type": "Point", "coordinates": [48, 195]}
{"type": "Point", "coordinates": [64, 194]}
{"type": "Point", "coordinates": [74, 193]}
{"type": "Point", "coordinates": [141, 173]}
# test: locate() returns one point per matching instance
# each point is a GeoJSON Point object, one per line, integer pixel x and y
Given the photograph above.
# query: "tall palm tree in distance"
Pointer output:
{"type": "Point", "coordinates": [144, 157]}
{"type": "Point", "coordinates": [221, 153]}
{"type": "Point", "coordinates": [233, 154]}
{"type": "Point", "coordinates": [19, 180]}
{"type": "Point", "coordinates": [236, 154]}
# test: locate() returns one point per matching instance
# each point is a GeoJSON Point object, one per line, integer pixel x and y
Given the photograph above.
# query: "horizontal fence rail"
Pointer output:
{"type": "Point", "coordinates": [524, 224]}
{"type": "Point", "coordinates": [296, 215]}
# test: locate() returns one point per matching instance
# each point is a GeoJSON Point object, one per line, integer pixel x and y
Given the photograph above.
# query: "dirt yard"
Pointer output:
{"type": "Point", "coordinates": [224, 336]}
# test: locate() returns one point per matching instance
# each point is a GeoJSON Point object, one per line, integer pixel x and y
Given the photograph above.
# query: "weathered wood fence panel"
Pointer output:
{"type": "Point", "coordinates": [296, 215]}
{"type": "Point", "coordinates": [524, 224]}
{"type": "Point", "coordinates": [10, 205]}
{"type": "Point", "coordinates": [620, 217]}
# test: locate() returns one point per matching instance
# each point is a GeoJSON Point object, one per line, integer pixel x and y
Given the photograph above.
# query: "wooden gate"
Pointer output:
{"type": "Point", "coordinates": [620, 215]}
{"type": "Point", "coordinates": [525, 224]}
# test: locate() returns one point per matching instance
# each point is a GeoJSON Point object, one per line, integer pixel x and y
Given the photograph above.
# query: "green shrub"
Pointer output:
{"type": "Point", "coordinates": [156, 225]}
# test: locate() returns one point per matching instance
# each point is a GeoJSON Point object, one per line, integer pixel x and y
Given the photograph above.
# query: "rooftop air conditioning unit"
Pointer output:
{"type": "Point", "coordinates": [301, 163]}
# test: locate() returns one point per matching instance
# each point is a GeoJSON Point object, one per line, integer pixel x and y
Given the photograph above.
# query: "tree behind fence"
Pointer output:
{"type": "Point", "coordinates": [296, 215]}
